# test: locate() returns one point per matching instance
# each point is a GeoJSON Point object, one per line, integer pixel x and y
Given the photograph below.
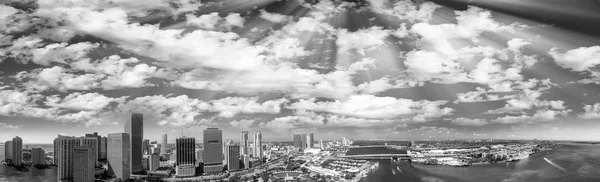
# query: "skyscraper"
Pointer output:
{"type": "Point", "coordinates": [185, 150]}
{"type": "Point", "coordinates": [199, 156]}
{"type": "Point", "coordinates": [163, 145]}
{"type": "Point", "coordinates": [321, 144]}
{"type": "Point", "coordinates": [135, 129]}
{"type": "Point", "coordinates": [153, 162]}
{"type": "Point", "coordinates": [103, 147]}
{"type": "Point", "coordinates": [246, 159]}
{"type": "Point", "coordinates": [8, 151]}
{"type": "Point", "coordinates": [213, 150]}
{"type": "Point", "coordinates": [258, 145]}
{"type": "Point", "coordinates": [186, 161]}
{"type": "Point", "coordinates": [93, 143]}
{"type": "Point", "coordinates": [99, 140]}
{"type": "Point", "coordinates": [233, 157]}
{"type": "Point", "coordinates": [310, 140]}
{"type": "Point", "coordinates": [17, 151]}
{"type": "Point", "coordinates": [38, 156]}
{"type": "Point", "coordinates": [227, 142]}
{"type": "Point", "coordinates": [298, 142]}
{"type": "Point", "coordinates": [63, 155]}
{"type": "Point", "coordinates": [244, 143]}
{"type": "Point", "coordinates": [146, 146]}
{"type": "Point", "coordinates": [83, 163]}
{"type": "Point", "coordinates": [118, 155]}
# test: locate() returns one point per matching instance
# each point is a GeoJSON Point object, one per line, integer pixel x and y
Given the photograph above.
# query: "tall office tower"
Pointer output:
{"type": "Point", "coordinates": [246, 161]}
{"type": "Point", "coordinates": [258, 144]}
{"type": "Point", "coordinates": [227, 142]}
{"type": "Point", "coordinates": [310, 140]}
{"type": "Point", "coordinates": [93, 143]}
{"type": "Point", "coordinates": [17, 152]}
{"type": "Point", "coordinates": [244, 143]}
{"type": "Point", "coordinates": [98, 147]}
{"type": "Point", "coordinates": [233, 157]}
{"type": "Point", "coordinates": [146, 146]}
{"type": "Point", "coordinates": [38, 156]}
{"type": "Point", "coordinates": [135, 129]}
{"type": "Point", "coordinates": [64, 155]}
{"type": "Point", "coordinates": [83, 163]}
{"type": "Point", "coordinates": [103, 147]}
{"type": "Point", "coordinates": [298, 141]}
{"type": "Point", "coordinates": [321, 144]}
{"type": "Point", "coordinates": [213, 150]}
{"type": "Point", "coordinates": [153, 162]}
{"type": "Point", "coordinates": [163, 145]}
{"type": "Point", "coordinates": [8, 151]}
{"type": "Point", "coordinates": [186, 159]}
{"type": "Point", "coordinates": [186, 147]}
{"type": "Point", "coordinates": [118, 153]}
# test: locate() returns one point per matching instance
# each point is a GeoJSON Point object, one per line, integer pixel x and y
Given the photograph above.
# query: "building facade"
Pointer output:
{"type": "Point", "coordinates": [146, 146]}
{"type": "Point", "coordinates": [84, 162]}
{"type": "Point", "coordinates": [17, 151]}
{"type": "Point", "coordinates": [8, 151]}
{"type": "Point", "coordinates": [153, 162]}
{"type": "Point", "coordinates": [163, 145]}
{"type": "Point", "coordinates": [258, 145]}
{"type": "Point", "coordinates": [135, 129]}
{"type": "Point", "coordinates": [310, 140]}
{"type": "Point", "coordinates": [38, 156]}
{"type": "Point", "coordinates": [103, 147]}
{"type": "Point", "coordinates": [186, 148]}
{"type": "Point", "coordinates": [119, 155]}
{"type": "Point", "coordinates": [233, 157]}
{"type": "Point", "coordinates": [93, 143]}
{"type": "Point", "coordinates": [244, 143]}
{"type": "Point", "coordinates": [213, 150]}
{"type": "Point", "coordinates": [98, 144]}
{"type": "Point", "coordinates": [63, 147]}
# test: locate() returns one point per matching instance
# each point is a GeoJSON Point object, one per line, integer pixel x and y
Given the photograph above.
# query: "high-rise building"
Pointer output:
{"type": "Point", "coordinates": [299, 142]}
{"type": "Point", "coordinates": [321, 144]}
{"type": "Point", "coordinates": [98, 144]}
{"type": "Point", "coordinates": [38, 156]}
{"type": "Point", "coordinates": [258, 145]}
{"type": "Point", "coordinates": [118, 155]}
{"type": "Point", "coordinates": [17, 151]}
{"type": "Point", "coordinates": [83, 163]}
{"type": "Point", "coordinates": [246, 159]}
{"type": "Point", "coordinates": [233, 157]}
{"type": "Point", "coordinates": [146, 145]}
{"type": "Point", "coordinates": [8, 151]}
{"type": "Point", "coordinates": [135, 129]}
{"type": "Point", "coordinates": [103, 147]}
{"type": "Point", "coordinates": [213, 150]}
{"type": "Point", "coordinates": [185, 150]}
{"type": "Point", "coordinates": [63, 155]}
{"type": "Point", "coordinates": [310, 140]}
{"type": "Point", "coordinates": [153, 162]}
{"type": "Point", "coordinates": [163, 145]}
{"type": "Point", "coordinates": [93, 143]}
{"type": "Point", "coordinates": [199, 156]}
{"type": "Point", "coordinates": [244, 143]}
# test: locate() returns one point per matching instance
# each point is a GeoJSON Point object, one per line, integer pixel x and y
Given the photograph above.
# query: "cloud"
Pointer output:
{"type": "Point", "coordinates": [274, 17]}
{"type": "Point", "coordinates": [79, 101]}
{"type": "Point", "coordinates": [243, 124]}
{"type": "Point", "coordinates": [361, 40]}
{"type": "Point", "coordinates": [8, 126]}
{"type": "Point", "coordinates": [469, 122]}
{"type": "Point", "coordinates": [540, 115]}
{"type": "Point", "coordinates": [580, 59]}
{"type": "Point", "coordinates": [213, 21]}
{"type": "Point", "coordinates": [590, 112]}
{"type": "Point", "coordinates": [369, 106]}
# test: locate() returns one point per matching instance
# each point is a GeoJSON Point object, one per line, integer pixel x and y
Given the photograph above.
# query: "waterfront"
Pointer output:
{"type": "Point", "coordinates": [29, 173]}
{"type": "Point", "coordinates": [580, 161]}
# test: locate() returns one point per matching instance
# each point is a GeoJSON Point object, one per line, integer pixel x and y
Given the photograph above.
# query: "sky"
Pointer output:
{"type": "Point", "coordinates": [361, 69]}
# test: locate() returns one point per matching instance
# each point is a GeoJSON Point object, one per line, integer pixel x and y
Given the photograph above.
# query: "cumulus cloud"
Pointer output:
{"type": "Point", "coordinates": [274, 17]}
{"type": "Point", "coordinates": [243, 124]}
{"type": "Point", "coordinates": [469, 122]}
{"type": "Point", "coordinates": [213, 21]}
{"type": "Point", "coordinates": [590, 112]}
{"type": "Point", "coordinates": [361, 40]}
{"type": "Point", "coordinates": [8, 126]}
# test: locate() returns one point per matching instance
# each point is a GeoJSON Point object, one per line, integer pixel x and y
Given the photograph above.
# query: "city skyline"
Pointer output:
{"type": "Point", "coordinates": [402, 70]}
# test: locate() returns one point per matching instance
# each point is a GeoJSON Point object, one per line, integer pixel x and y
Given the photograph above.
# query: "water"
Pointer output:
{"type": "Point", "coordinates": [581, 163]}
{"type": "Point", "coordinates": [33, 174]}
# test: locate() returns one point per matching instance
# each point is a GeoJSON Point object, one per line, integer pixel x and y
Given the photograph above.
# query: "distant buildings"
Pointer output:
{"type": "Point", "coordinates": [17, 151]}
{"type": "Point", "coordinates": [246, 159]}
{"type": "Point", "coordinates": [244, 143]}
{"type": "Point", "coordinates": [213, 150]}
{"type": "Point", "coordinates": [146, 146]}
{"type": "Point", "coordinates": [163, 145]}
{"type": "Point", "coordinates": [38, 156]}
{"type": "Point", "coordinates": [303, 141]}
{"type": "Point", "coordinates": [119, 155]}
{"type": "Point", "coordinates": [8, 151]}
{"type": "Point", "coordinates": [258, 145]}
{"type": "Point", "coordinates": [84, 162]}
{"type": "Point", "coordinates": [135, 129]}
{"type": "Point", "coordinates": [298, 142]}
{"type": "Point", "coordinates": [321, 144]}
{"type": "Point", "coordinates": [310, 140]}
{"type": "Point", "coordinates": [199, 156]}
{"type": "Point", "coordinates": [233, 157]}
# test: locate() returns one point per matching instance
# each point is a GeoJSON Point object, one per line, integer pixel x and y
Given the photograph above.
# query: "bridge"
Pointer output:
{"type": "Point", "coordinates": [378, 156]}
